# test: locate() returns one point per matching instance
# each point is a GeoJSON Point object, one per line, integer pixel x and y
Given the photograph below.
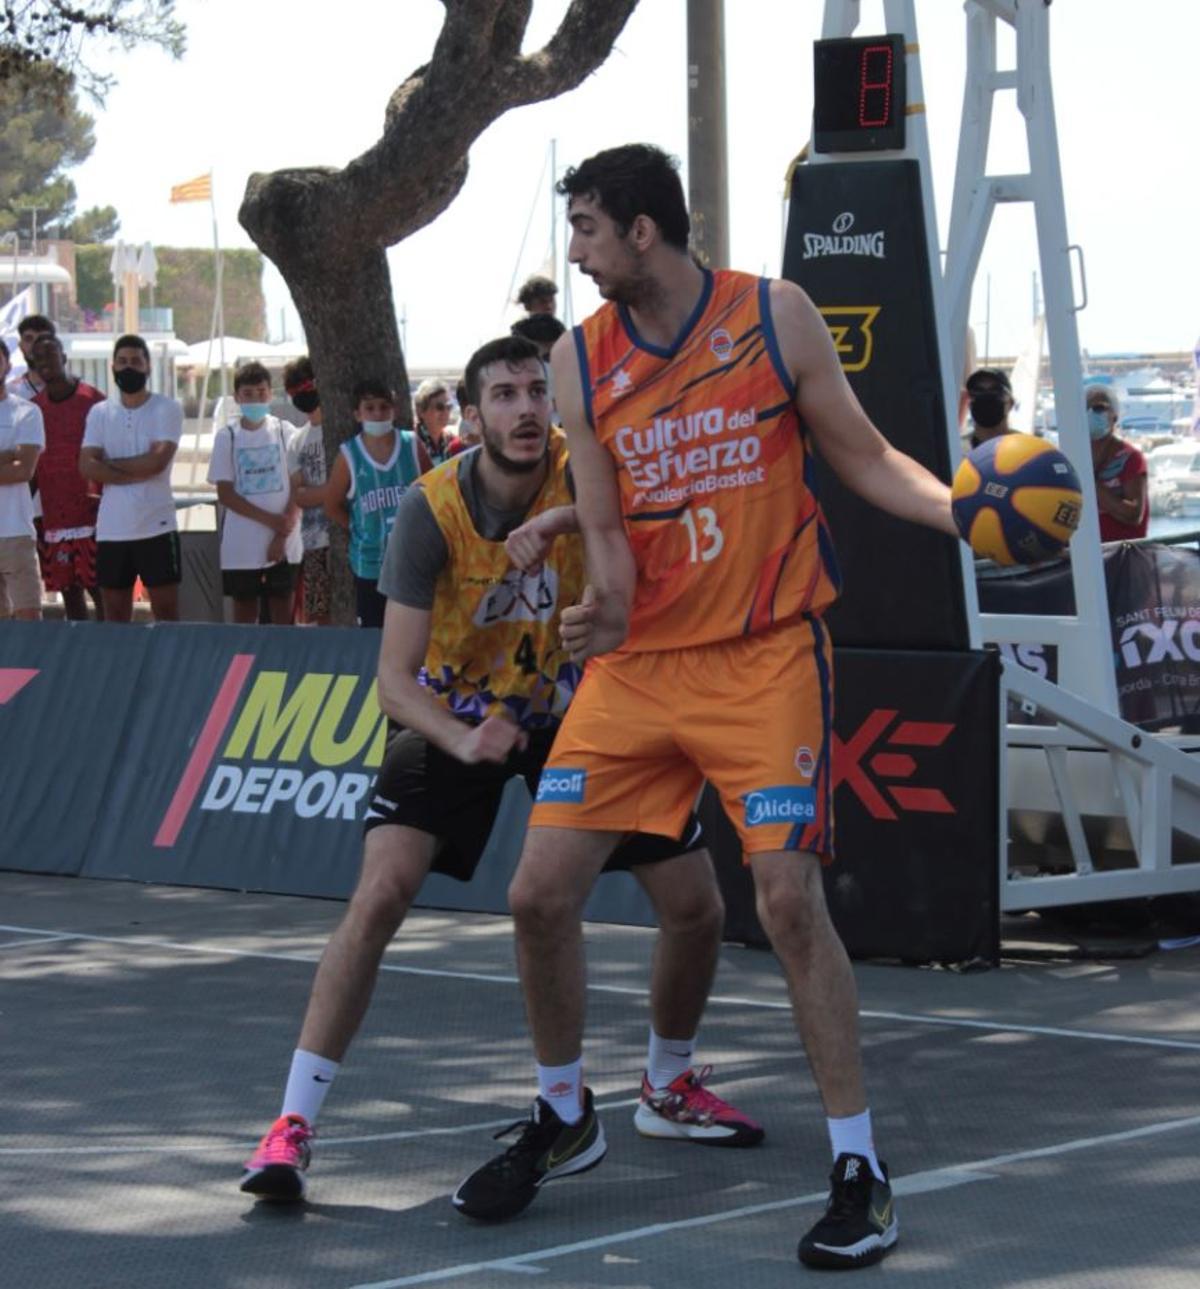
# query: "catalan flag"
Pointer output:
{"type": "Point", "coordinates": [198, 189]}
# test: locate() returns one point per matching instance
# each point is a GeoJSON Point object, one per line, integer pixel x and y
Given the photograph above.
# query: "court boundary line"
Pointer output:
{"type": "Point", "coordinates": [946, 1178]}
{"type": "Point", "coordinates": [724, 1000]}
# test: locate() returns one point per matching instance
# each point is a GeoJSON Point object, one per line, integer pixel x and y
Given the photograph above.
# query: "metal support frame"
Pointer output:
{"type": "Point", "coordinates": [1155, 786]}
{"type": "Point", "coordinates": [1086, 657]}
{"type": "Point", "coordinates": [1152, 783]}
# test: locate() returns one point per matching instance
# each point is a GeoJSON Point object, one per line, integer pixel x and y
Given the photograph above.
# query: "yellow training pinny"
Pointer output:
{"type": "Point", "coordinates": [494, 643]}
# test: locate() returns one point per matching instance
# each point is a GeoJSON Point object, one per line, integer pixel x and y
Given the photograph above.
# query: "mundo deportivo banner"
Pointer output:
{"type": "Point", "coordinates": [242, 757]}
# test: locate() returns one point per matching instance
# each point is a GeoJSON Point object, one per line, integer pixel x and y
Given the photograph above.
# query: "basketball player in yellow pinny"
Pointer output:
{"type": "Point", "coordinates": [726, 670]}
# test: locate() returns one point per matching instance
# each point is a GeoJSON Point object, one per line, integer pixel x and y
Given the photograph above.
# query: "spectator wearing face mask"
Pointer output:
{"type": "Point", "coordinates": [128, 445]}
{"type": "Point", "coordinates": [370, 474]}
{"type": "Point", "coordinates": [990, 401]}
{"type": "Point", "coordinates": [261, 548]}
{"type": "Point", "coordinates": [306, 464]}
{"type": "Point", "coordinates": [1120, 469]}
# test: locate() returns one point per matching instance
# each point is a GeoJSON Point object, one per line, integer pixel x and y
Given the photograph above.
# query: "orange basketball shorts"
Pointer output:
{"type": "Point", "coordinates": [752, 715]}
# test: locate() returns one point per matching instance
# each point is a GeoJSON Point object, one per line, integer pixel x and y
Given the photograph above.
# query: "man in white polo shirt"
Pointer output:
{"type": "Point", "coordinates": [128, 444]}
{"type": "Point", "coordinates": [22, 439]}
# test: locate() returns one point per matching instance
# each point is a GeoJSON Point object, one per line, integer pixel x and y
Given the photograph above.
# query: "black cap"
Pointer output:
{"type": "Point", "coordinates": [993, 375]}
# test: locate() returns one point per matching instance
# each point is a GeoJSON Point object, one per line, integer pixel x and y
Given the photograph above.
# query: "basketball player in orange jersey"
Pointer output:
{"type": "Point", "coordinates": [690, 401]}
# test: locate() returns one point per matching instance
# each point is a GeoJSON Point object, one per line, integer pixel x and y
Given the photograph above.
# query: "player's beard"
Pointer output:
{"type": "Point", "coordinates": [491, 445]}
{"type": "Point", "coordinates": [636, 290]}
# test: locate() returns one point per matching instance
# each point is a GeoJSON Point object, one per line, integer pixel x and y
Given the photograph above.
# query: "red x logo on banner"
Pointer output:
{"type": "Point", "coordinates": [852, 767]}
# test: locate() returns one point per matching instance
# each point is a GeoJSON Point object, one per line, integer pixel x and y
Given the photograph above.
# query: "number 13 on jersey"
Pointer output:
{"type": "Point", "coordinates": [705, 538]}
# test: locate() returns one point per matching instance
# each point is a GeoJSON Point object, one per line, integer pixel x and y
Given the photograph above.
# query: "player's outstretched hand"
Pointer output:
{"type": "Point", "coordinates": [528, 545]}
{"type": "Point", "coordinates": [587, 630]}
{"type": "Point", "coordinates": [493, 740]}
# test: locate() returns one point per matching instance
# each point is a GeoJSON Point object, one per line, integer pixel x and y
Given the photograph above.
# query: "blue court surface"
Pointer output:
{"type": "Point", "coordinates": [1042, 1121]}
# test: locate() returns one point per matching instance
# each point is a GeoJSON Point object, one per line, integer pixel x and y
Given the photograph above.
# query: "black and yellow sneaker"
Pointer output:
{"type": "Point", "coordinates": [859, 1226]}
{"type": "Point", "coordinates": [546, 1149]}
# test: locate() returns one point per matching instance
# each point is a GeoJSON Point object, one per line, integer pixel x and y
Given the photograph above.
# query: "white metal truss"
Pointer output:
{"type": "Point", "coordinates": [1090, 762]}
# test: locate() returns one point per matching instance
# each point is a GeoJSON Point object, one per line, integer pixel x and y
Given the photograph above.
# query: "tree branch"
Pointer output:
{"type": "Point", "coordinates": [470, 51]}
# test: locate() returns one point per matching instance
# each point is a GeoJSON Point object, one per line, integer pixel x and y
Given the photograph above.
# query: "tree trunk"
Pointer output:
{"type": "Point", "coordinates": [342, 290]}
{"type": "Point", "coordinates": [344, 297]}
{"type": "Point", "coordinates": [327, 230]}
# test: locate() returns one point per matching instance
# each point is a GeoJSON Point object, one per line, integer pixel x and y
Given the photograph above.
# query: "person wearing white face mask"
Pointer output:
{"type": "Point", "coordinates": [370, 475]}
{"type": "Point", "coordinates": [1120, 470]}
{"type": "Point", "coordinates": [261, 546]}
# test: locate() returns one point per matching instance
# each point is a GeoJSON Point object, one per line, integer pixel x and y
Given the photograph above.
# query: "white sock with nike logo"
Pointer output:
{"type": "Point", "coordinates": [667, 1059]}
{"type": "Point", "coordinates": [852, 1136]}
{"type": "Point", "coordinates": [561, 1087]}
{"type": "Point", "coordinates": [307, 1084]}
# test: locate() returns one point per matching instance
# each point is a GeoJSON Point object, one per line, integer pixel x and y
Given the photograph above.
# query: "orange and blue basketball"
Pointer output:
{"type": "Point", "coordinates": [1016, 500]}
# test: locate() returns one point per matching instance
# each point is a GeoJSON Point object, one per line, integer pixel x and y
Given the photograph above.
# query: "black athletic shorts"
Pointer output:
{"type": "Point", "coordinates": [250, 583]}
{"type": "Point", "coordinates": [153, 559]}
{"type": "Point", "coordinates": [369, 602]}
{"type": "Point", "coordinates": [422, 787]}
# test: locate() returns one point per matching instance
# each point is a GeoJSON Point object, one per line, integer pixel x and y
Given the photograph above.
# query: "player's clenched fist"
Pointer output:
{"type": "Point", "coordinates": [492, 740]}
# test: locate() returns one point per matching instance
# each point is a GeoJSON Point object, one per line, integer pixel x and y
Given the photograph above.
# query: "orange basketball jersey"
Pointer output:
{"type": "Point", "coordinates": [715, 473]}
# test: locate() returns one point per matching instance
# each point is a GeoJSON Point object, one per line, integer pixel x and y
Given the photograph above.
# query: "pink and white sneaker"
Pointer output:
{"type": "Point", "coordinates": [686, 1110]}
{"type": "Point", "coordinates": [276, 1169]}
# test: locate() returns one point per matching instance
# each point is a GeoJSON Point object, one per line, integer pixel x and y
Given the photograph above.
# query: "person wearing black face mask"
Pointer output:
{"type": "Point", "coordinates": [990, 400]}
{"type": "Point", "coordinates": [128, 445]}
{"type": "Point", "coordinates": [306, 464]}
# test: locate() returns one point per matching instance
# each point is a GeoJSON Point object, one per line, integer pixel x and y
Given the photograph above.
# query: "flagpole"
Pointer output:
{"type": "Point", "coordinates": [220, 275]}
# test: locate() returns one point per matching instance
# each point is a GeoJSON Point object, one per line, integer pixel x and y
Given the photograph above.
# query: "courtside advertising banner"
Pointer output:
{"type": "Point", "coordinates": [66, 691]}
{"type": "Point", "coordinates": [254, 755]}
{"type": "Point", "coordinates": [1154, 611]}
{"type": "Point", "coordinates": [243, 757]}
{"type": "Point", "coordinates": [915, 771]}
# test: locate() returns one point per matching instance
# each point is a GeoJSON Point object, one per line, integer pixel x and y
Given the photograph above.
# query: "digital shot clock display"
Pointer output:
{"type": "Point", "coordinates": [858, 94]}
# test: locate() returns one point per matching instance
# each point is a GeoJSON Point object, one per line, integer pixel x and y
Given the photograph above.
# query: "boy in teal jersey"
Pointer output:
{"type": "Point", "coordinates": [370, 474]}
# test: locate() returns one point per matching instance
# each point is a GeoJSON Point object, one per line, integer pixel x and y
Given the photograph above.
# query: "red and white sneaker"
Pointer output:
{"type": "Point", "coordinates": [276, 1169]}
{"type": "Point", "coordinates": [686, 1110]}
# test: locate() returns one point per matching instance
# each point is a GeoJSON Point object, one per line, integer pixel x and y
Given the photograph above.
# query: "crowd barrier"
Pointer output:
{"type": "Point", "coordinates": [240, 757]}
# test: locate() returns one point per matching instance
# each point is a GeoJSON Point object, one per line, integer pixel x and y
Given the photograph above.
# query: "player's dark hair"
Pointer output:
{"type": "Point", "coordinates": [132, 342]}
{"type": "Point", "coordinates": [460, 394]}
{"type": "Point", "coordinates": [506, 349]}
{"type": "Point", "coordinates": [372, 387]}
{"type": "Point", "coordinates": [252, 373]}
{"type": "Point", "coordinates": [35, 322]}
{"type": "Point", "coordinates": [535, 288]}
{"type": "Point", "coordinates": [297, 372]}
{"type": "Point", "coordinates": [636, 179]}
{"type": "Point", "coordinates": [541, 328]}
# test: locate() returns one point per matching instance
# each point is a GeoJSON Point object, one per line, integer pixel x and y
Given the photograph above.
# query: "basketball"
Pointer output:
{"type": "Point", "coordinates": [1016, 500]}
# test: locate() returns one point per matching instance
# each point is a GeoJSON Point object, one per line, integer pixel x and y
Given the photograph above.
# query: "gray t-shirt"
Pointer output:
{"type": "Point", "coordinates": [417, 551]}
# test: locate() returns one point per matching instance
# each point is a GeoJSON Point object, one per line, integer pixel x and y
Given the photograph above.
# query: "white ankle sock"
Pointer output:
{"type": "Point", "coordinates": [307, 1084]}
{"type": "Point", "coordinates": [852, 1136]}
{"type": "Point", "coordinates": [668, 1058]}
{"type": "Point", "coordinates": [561, 1087]}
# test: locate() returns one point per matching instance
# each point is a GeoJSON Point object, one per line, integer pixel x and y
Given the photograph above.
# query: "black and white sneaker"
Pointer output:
{"type": "Point", "coordinates": [859, 1226]}
{"type": "Point", "coordinates": [546, 1149]}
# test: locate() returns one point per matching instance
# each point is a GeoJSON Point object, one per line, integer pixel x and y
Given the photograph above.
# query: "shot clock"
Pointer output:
{"type": "Point", "coordinates": [858, 94]}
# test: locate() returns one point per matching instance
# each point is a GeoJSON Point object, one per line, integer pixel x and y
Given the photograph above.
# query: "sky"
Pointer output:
{"type": "Point", "coordinates": [283, 83]}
